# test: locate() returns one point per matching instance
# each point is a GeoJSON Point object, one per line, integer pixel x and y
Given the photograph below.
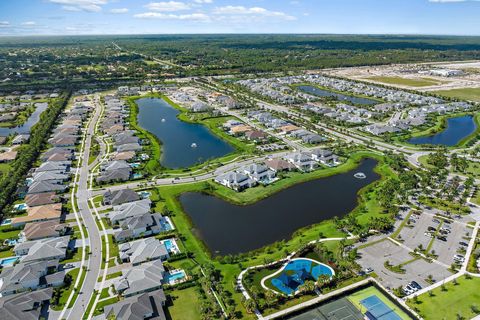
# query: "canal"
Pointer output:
{"type": "Point", "coordinates": [160, 118]}
{"type": "Point", "coordinates": [231, 229]}
{"type": "Point", "coordinates": [338, 96]}
{"type": "Point", "coordinates": [457, 129]}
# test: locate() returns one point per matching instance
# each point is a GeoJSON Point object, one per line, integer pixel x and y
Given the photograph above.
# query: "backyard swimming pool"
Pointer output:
{"type": "Point", "coordinates": [174, 276]}
{"type": "Point", "coordinates": [8, 261]}
{"type": "Point", "coordinates": [296, 272]}
{"type": "Point", "coordinates": [171, 246]}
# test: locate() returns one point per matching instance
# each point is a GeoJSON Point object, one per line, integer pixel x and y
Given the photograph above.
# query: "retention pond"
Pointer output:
{"type": "Point", "coordinates": [227, 228]}
{"type": "Point", "coordinates": [183, 144]}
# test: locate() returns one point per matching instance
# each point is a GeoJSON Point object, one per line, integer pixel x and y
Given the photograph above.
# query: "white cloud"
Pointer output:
{"type": "Point", "coordinates": [119, 10]}
{"type": "Point", "coordinates": [81, 5]}
{"type": "Point", "coordinates": [203, 1]}
{"type": "Point", "coordinates": [29, 23]}
{"type": "Point", "coordinates": [4, 24]}
{"type": "Point", "coordinates": [164, 16]}
{"type": "Point", "coordinates": [253, 11]}
{"type": "Point", "coordinates": [167, 6]}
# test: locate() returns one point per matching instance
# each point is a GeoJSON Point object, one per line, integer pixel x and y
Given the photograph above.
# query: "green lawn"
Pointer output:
{"type": "Point", "coordinates": [8, 234]}
{"type": "Point", "coordinates": [6, 253]}
{"type": "Point", "coordinates": [77, 256]}
{"type": "Point", "coordinates": [4, 168]}
{"type": "Point", "coordinates": [65, 292]}
{"type": "Point", "coordinates": [358, 296]}
{"type": "Point", "coordinates": [457, 300]}
{"type": "Point", "coordinates": [419, 82]}
{"type": "Point", "coordinates": [472, 169]}
{"type": "Point", "coordinates": [472, 94]}
{"type": "Point", "coordinates": [186, 305]}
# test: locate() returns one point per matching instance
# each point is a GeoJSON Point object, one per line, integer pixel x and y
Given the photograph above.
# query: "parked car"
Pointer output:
{"type": "Point", "coordinates": [443, 238]}
{"type": "Point", "coordinates": [431, 229]}
{"type": "Point", "coordinates": [368, 270]}
{"type": "Point", "coordinates": [463, 244]}
{"type": "Point", "coordinates": [415, 285]}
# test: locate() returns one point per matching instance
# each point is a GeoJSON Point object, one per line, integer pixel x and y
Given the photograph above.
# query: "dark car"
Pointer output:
{"type": "Point", "coordinates": [431, 229]}
{"type": "Point", "coordinates": [463, 244]}
{"type": "Point", "coordinates": [415, 285]}
{"type": "Point", "coordinates": [443, 238]}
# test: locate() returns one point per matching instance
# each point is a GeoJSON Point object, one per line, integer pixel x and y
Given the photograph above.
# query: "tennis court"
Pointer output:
{"type": "Point", "coordinates": [377, 310]}
{"type": "Point", "coordinates": [357, 298]}
{"type": "Point", "coordinates": [340, 309]}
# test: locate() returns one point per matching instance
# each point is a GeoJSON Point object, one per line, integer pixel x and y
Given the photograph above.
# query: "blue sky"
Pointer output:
{"type": "Point", "coordinates": [45, 17]}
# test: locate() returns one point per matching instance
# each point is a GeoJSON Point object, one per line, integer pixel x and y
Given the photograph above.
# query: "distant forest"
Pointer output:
{"type": "Point", "coordinates": [84, 58]}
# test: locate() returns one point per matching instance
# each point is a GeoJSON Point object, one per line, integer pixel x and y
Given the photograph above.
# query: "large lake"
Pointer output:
{"type": "Point", "coordinates": [27, 125]}
{"type": "Point", "coordinates": [231, 229]}
{"type": "Point", "coordinates": [338, 96]}
{"type": "Point", "coordinates": [177, 136]}
{"type": "Point", "coordinates": [457, 129]}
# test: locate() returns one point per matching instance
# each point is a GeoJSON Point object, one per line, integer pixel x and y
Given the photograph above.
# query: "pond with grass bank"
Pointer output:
{"type": "Point", "coordinates": [31, 121]}
{"type": "Point", "coordinates": [184, 144]}
{"type": "Point", "coordinates": [227, 228]}
{"type": "Point", "coordinates": [457, 129]}
{"type": "Point", "coordinates": [338, 96]}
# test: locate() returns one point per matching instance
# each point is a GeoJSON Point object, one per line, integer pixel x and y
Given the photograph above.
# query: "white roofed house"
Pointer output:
{"type": "Point", "coordinates": [302, 160]}
{"type": "Point", "coordinates": [259, 172]}
{"type": "Point", "coordinates": [235, 180]}
{"type": "Point", "coordinates": [325, 156]}
{"type": "Point", "coordinates": [199, 106]}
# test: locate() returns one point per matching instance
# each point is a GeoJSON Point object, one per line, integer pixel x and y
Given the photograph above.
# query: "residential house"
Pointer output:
{"type": "Point", "coordinates": [26, 276]}
{"type": "Point", "coordinates": [258, 172]}
{"type": "Point", "coordinates": [142, 278]}
{"type": "Point", "coordinates": [43, 249]}
{"type": "Point", "coordinates": [140, 226]}
{"type": "Point", "coordinates": [143, 250]}
{"type": "Point", "coordinates": [146, 306]}
{"type": "Point", "coordinates": [256, 135]}
{"type": "Point", "coordinates": [128, 210]}
{"type": "Point", "coordinates": [302, 160]}
{"type": "Point", "coordinates": [324, 156]}
{"type": "Point", "coordinates": [235, 180]}
{"type": "Point", "coordinates": [39, 199]}
{"type": "Point", "coordinates": [279, 164]}
{"type": "Point", "coordinates": [39, 213]}
{"type": "Point", "coordinates": [44, 229]}
{"type": "Point", "coordinates": [25, 306]}
{"type": "Point", "coordinates": [117, 197]}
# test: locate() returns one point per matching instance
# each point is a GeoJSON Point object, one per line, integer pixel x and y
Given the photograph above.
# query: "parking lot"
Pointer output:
{"type": "Point", "coordinates": [414, 236]}
{"type": "Point", "coordinates": [374, 257]}
{"type": "Point", "coordinates": [447, 249]}
{"type": "Point", "coordinates": [411, 236]}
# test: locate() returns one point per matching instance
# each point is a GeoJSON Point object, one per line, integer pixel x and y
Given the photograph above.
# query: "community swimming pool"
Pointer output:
{"type": "Point", "coordinates": [296, 272]}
